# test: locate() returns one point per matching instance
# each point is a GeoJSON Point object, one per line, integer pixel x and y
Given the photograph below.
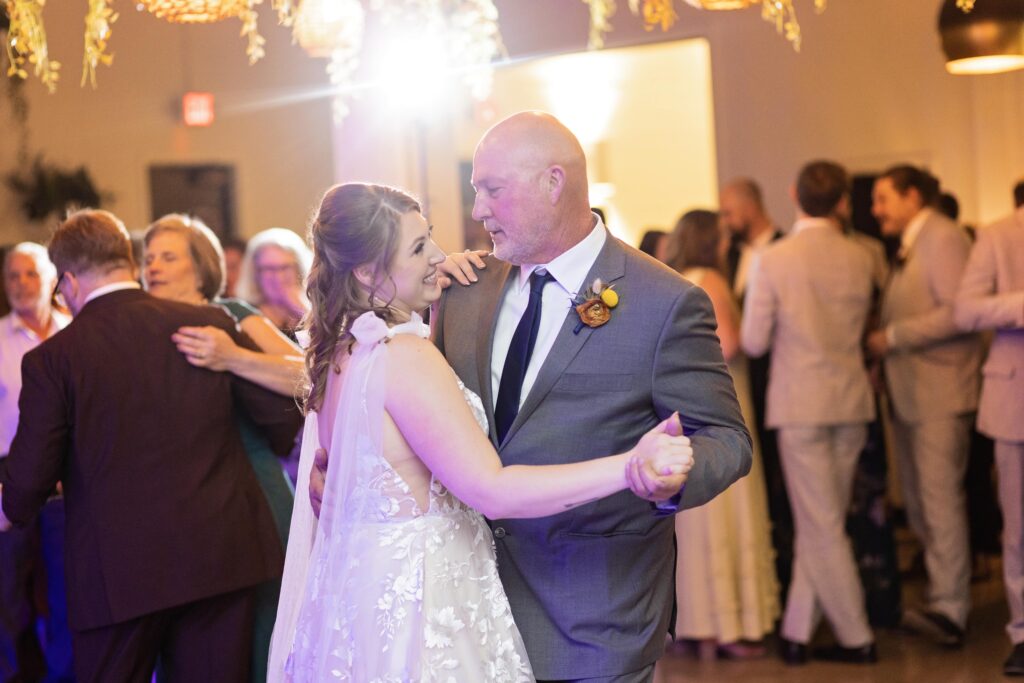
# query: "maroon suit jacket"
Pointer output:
{"type": "Point", "coordinates": [163, 507]}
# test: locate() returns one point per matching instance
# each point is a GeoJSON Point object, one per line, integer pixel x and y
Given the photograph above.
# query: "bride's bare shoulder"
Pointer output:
{"type": "Point", "coordinates": [414, 353]}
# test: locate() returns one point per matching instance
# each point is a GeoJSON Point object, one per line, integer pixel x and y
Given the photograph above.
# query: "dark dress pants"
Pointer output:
{"type": "Point", "coordinates": [58, 651]}
{"type": "Point", "coordinates": [206, 640]}
{"type": "Point", "coordinates": [17, 646]}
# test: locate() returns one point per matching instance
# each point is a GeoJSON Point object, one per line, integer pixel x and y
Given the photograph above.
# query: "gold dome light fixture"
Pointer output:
{"type": "Point", "coordinates": [985, 37]}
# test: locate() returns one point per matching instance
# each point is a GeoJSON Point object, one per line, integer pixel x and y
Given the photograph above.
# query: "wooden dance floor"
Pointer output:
{"type": "Point", "coordinates": [904, 658]}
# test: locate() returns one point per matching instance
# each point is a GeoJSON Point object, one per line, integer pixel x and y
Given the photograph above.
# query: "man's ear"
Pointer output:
{"type": "Point", "coordinates": [73, 284]}
{"type": "Point", "coordinates": [554, 183]}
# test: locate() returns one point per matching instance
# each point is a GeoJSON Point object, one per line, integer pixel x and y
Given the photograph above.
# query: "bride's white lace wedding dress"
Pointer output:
{"type": "Point", "coordinates": [381, 590]}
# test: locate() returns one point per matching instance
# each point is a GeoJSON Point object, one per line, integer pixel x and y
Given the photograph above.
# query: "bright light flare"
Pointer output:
{"type": "Point", "coordinates": [412, 72]}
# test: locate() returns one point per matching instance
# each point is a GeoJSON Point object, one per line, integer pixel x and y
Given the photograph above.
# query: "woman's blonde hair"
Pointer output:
{"type": "Point", "coordinates": [356, 225]}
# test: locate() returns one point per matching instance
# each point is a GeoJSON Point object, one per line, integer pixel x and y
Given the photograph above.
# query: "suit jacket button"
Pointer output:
{"type": "Point", "coordinates": [499, 532]}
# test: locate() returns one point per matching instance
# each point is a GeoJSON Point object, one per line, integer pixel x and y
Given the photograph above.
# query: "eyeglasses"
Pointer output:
{"type": "Point", "coordinates": [57, 296]}
{"type": "Point", "coordinates": [284, 268]}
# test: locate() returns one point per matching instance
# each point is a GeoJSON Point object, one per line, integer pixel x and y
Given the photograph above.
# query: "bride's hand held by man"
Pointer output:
{"type": "Point", "coordinates": [660, 462]}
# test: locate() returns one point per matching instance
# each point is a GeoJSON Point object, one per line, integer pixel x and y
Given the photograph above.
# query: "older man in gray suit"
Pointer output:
{"type": "Point", "coordinates": [591, 590]}
{"type": "Point", "coordinates": [991, 297]}
{"type": "Point", "coordinates": [932, 376]}
{"type": "Point", "coordinates": [808, 302]}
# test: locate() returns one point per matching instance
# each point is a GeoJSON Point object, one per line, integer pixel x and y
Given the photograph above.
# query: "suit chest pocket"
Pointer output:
{"type": "Point", "coordinates": [585, 383]}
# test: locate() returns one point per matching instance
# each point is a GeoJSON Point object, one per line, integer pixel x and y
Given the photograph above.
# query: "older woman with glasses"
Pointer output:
{"type": "Point", "coordinates": [273, 271]}
{"type": "Point", "coordinates": [183, 261]}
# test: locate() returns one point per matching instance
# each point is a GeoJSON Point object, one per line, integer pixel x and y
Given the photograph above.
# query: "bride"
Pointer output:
{"type": "Point", "coordinates": [397, 580]}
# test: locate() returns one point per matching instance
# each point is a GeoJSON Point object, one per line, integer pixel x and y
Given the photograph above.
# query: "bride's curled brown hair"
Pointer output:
{"type": "Point", "coordinates": [357, 224]}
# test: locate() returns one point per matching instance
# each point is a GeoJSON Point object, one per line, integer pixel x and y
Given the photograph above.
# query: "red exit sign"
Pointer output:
{"type": "Point", "coordinates": [197, 108]}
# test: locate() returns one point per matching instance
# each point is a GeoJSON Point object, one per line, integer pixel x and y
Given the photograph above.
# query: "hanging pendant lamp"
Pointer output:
{"type": "Point", "coordinates": [987, 39]}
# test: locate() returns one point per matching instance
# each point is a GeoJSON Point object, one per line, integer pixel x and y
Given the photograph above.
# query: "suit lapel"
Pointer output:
{"type": "Point", "coordinates": [609, 266]}
{"type": "Point", "coordinates": [492, 294]}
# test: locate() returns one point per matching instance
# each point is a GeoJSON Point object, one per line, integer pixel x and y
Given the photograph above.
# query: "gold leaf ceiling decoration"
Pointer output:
{"type": "Point", "coordinates": [473, 26]}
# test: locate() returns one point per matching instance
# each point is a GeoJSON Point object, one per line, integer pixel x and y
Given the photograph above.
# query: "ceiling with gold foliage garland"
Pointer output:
{"type": "Point", "coordinates": [334, 29]}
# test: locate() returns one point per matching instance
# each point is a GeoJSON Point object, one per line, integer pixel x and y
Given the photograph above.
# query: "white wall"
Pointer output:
{"type": "Point", "coordinates": [280, 149]}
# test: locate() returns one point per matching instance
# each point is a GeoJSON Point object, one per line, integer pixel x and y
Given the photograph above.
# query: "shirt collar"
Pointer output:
{"type": "Point", "coordinates": [58, 321]}
{"type": "Point", "coordinates": [570, 268]}
{"type": "Point", "coordinates": [914, 229]}
{"type": "Point", "coordinates": [112, 287]}
{"type": "Point", "coordinates": [762, 240]}
{"type": "Point", "coordinates": [809, 222]}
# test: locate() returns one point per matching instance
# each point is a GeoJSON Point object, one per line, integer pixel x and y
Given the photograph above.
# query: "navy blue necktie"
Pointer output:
{"type": "Point", "coordinates": [518, 359]}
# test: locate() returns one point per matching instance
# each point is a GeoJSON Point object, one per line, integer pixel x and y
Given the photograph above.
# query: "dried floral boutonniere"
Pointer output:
{"type": "Point", "coordinates": [595, 305]}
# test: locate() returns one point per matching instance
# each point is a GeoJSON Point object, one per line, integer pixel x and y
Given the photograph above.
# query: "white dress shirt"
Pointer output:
{"type": "Point", "coordinates": [809, 222]}
{"type": "Point", "coordinates": [113, 287]}
{"type": "Point", "coordinates": [913, 229]}
{"type": "Point", "coordinates": [16, 339]}
{"type": "Point", "coordinates": [569, 271]}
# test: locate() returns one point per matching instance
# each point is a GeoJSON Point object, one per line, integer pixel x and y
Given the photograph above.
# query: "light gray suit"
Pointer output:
{"type": "Point", "coordinates": [592, 589]}
{"type": "Point", "coordinates": [808, 302]}
{"type": "Point", "coordinates": [991, 297]}
{"type": "Point", "coordinates": [932, 375]}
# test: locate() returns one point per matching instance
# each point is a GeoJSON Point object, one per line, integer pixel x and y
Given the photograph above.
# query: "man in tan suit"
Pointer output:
{"type": "Point", "coordinates": [808, 301]}
{"type": "Point", "coordinates": [991, 297]}
{"type": "Point", "coordinates": [932, 376]}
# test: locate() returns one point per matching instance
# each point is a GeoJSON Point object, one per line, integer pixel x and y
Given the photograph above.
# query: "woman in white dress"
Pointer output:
{"type": "Point", "coordinates": [397, 581]}
{"type": "Point", "coordinates": [726, 591]}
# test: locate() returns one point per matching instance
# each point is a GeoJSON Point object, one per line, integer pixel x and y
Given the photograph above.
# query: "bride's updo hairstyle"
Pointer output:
{"type": "Point", "coordinates": [357, 224]}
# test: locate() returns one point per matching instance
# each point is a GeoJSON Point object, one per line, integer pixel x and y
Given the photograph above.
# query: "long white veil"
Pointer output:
{"type": "Point", "coordinates": [321, 559]}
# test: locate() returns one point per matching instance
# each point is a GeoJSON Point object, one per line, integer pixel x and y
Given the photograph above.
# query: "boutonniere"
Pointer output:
{"type": "Point", "coordinates": [594, 306]}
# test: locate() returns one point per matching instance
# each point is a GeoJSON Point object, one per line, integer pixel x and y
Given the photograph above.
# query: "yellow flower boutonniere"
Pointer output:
{"type": "Point", "coordinates": [595, 305]}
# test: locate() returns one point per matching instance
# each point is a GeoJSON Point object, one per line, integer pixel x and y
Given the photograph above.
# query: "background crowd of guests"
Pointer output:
{"type": "Point", "coordinates": [857, 347]}
{"type": "Point", "coordinates": [843, 348]}
{"type": "Point", "coordinates": [181, 260]}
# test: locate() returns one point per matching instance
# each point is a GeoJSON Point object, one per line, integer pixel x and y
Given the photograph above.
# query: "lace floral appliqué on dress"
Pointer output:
{"type": "Point", "coordinates": [395, 593]}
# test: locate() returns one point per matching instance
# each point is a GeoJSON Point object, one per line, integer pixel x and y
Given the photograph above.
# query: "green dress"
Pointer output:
{"type": "Point", "coordinates": [280, 494]}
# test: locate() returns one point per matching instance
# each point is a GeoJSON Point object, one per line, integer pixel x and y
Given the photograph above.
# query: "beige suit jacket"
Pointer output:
{"type": "Point", "coordinates": [932, 368]}
{"type": "Point", "coordinates": [991, 297]}
{"type": "Point", "coordinates": [808, 302]}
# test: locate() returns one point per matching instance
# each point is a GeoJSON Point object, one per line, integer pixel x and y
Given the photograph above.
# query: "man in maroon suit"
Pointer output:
{"type": "Point", "coordinates": [167, 530]}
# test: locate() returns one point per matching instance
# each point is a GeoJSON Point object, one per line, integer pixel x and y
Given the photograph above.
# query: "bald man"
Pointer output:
{"type": "Point", "coordinates": [741, 210]}
{"type": "Point", "coordinates": [591, 590]}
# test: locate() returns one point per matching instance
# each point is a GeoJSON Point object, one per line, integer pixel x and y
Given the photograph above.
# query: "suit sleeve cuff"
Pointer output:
{"type": "Point", "coordinates": [665, 508]}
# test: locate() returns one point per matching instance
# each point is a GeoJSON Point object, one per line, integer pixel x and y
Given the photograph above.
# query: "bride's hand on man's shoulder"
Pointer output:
{"type": "Point", "coordinates": [461, 267]}
{"type": "Point", "coordinates": [660, 462]}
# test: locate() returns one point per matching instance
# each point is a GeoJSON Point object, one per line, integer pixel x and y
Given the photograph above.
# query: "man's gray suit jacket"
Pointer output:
{"type": "Point", "coordinates": [592, 589]}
